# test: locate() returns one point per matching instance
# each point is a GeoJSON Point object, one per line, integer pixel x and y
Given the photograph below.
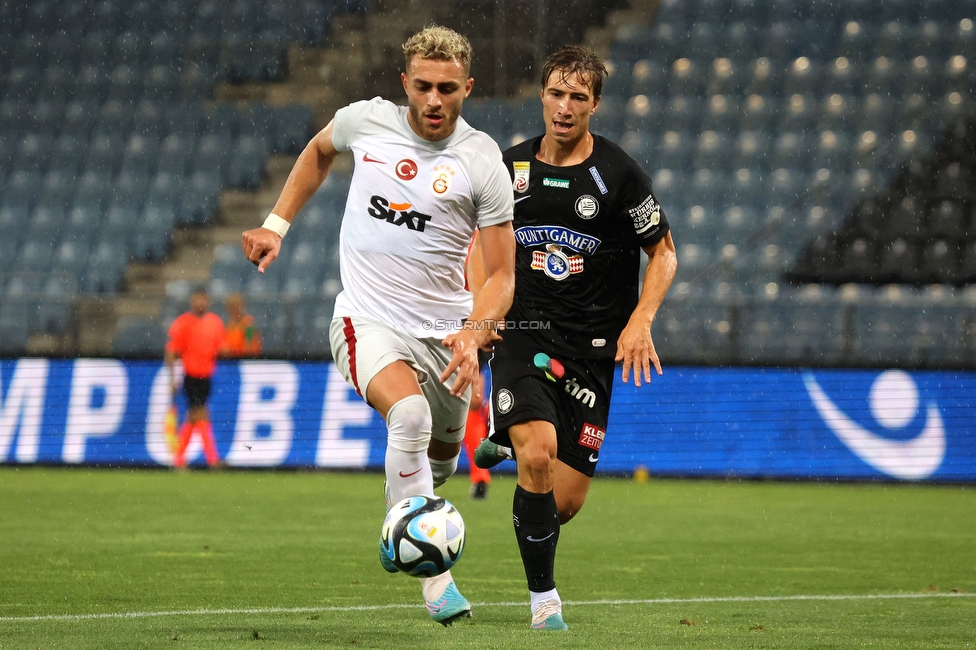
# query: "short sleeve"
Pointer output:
{"type": "Point", "coordinates": [642, 207]}
{"type": "Point", "coordinates": [348, 121]}
{"type": "Point", "coordinates": [175, 342]}
{"type": "Point", "coordinates": [494, 198]}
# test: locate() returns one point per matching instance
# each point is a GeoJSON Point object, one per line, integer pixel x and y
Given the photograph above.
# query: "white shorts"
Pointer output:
{"type": "Point", "coordinates": [362, 347]}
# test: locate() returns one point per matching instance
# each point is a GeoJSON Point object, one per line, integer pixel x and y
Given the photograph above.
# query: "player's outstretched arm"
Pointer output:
{"type": "Point", "coordinates": [262, 245]}
{"type": "Point", "coordinates": [635, 348]}
{"type": "Point", "coordinates": [491, 303]}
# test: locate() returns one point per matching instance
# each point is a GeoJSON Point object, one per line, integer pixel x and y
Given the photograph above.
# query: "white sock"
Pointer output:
{"type": "Point", "coordinates": [408, 426]}
{"type": "Point", "coordinates": [537, 598]}
{"type": "Point", "coordinates": [433, 588]}
{"type": "Point", "coordinates": [441, 470]}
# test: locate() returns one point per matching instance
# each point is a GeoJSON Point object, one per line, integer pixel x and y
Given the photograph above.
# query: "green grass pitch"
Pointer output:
{"type": "Point", "coordinates": [155, 559]}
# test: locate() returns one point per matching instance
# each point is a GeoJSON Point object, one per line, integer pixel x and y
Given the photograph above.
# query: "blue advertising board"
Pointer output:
{"type": "Point", "coordinates": [746, 422]}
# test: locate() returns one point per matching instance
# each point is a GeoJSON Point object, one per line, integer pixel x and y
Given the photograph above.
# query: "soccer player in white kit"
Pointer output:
{"type": "Point", "coordinates": [405, 332]}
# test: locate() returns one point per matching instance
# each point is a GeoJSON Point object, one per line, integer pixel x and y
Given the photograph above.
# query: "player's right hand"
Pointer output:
{"type": "Point", "coordinates": [261, 246]}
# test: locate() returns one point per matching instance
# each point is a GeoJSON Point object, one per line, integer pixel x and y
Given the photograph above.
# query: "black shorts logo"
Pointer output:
{"type": "Point", "coordinates": [584, 395]}
{"type": "Point", "coordinates": [592, 436]}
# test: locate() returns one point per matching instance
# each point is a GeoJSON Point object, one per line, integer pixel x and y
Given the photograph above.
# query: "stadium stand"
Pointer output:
{"type": "Point", "coordinates": [809, 155]}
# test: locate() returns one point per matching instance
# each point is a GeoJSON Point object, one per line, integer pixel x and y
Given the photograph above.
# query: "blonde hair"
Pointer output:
{"type": "Point", "coordinates": [436, 42]}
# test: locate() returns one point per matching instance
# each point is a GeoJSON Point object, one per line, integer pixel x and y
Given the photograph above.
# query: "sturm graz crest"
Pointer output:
{"type": "Point", "coordinates": [556, 264]}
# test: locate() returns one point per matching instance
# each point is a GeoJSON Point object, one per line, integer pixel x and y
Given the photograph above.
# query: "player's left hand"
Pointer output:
{"type": "Point", "coordinates": [636, 350]}
{"type": "Point", "coordinates": [464, 345]}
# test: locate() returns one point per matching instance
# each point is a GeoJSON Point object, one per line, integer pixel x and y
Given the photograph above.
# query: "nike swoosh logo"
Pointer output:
{"type": "Point", "coordinates": [450, 430]}
{"type": "Point", "coordinates": [909, 459]}
{"type": "Point", "coordinates": [522, 198]}
{"type": "Point", "coordinates": [593, 458]}
{"type": "Point", "coordinates": [369, 158]}
{"type": "Point", "coordinates": [533, 539]}
{"type": "Point", "coordinates": [402, 475]}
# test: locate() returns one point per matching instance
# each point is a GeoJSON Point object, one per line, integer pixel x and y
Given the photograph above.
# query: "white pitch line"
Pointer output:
{"type": "Point", "coordinates": [576, 603]}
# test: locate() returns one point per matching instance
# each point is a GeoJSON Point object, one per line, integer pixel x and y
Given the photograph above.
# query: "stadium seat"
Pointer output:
{"type": "Point", "coordinates": [644, 114]}
{"type": "Point", "coordinates": [294, 129]}
{"type": "Point", "coordinates": [674, 150]}
{"type": "Point", "coordinates": [608, 120]}
{"type": "Point", "coordinates": [47, 221]}
{"type": "Point", "coordinates": [686, 78]}
{"type": "Point", "coordinates": [799, 113]}
{"type": "Point", "coordinates": [751, 150]}
{"type": "Point", "coordinates": [138, 336]}
{"type": "Point", "coordinates": [759, 113]}
{"type": "Point", "coordinates": [832, 151]}
{"type": "Point", "coordinates": [106, 266]}
{"type": "Point", "coordinates": [154, 232]}
{"type": "Point", "coordinates": [884, 77]}
{"type": "Point", "coordinates": [309, 326]}
{"type": "Point", "coordinates": [33, 152]}
{"type": "Point", "coordinates": [649, 77]}
{"type": "Point", "coordinates": [708, 186]}
{"type": "Point", "coordinates": [54, 304]}
{"type": "Point", "coordinates": [14, 325]}
{"type": "Point", "coordinates": [791, 150]}
{"type": "Point", "coordinates": [712, 150]}
{"type": "Point", "coordinates": [200, 198]}
{"type": "Point", "coordinates": [721, 113]}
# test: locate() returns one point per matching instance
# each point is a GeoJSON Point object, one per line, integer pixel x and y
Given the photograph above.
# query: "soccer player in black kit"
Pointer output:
{"type": "Point", "coordinates": [584, 210]}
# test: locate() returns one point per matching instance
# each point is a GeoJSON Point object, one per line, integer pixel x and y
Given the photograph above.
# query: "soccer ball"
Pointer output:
{"type": "Point", "coordinates": [423, 536]}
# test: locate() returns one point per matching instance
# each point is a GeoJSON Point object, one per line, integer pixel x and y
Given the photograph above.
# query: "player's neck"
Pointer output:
{"type": "Point", "coordinates": [564, 154]}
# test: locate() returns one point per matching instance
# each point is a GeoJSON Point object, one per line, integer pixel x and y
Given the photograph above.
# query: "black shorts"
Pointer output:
{"type": "Point", "coordinates": [576, 402]}
{"type": "Point", "coordinates": [197, 390]}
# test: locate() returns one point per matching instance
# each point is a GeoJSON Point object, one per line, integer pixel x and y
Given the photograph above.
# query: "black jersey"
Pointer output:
{"type": "Point", "coordinates": [579, 231]}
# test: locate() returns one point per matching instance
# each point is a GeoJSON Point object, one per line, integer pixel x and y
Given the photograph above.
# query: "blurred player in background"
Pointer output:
{"type": "Point", "coordinates": [196, 338]}
{"type": "Point", "coordinates": [583, 212]}
{"type": "Point", "coordinates": [243, 339]}
{"type": "Point", "coordinates": [476, 430]}
{"type": "Point", "coordinates": [423, 181]}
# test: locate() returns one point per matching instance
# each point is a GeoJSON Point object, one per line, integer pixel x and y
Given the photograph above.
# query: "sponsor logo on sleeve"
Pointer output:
{"type": "Point", "coordinates": [592, 437]}
{"type": "Point", "coordinates": [520, 182]}
{"type": "Point", "coordinates": [647, 215]}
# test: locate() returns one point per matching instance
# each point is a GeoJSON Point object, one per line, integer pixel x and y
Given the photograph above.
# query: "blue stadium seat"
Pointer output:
{"type": "Point", "coordinates": [33, 152]}
{"type": "Point", "coordinates": [842, 76]}
{"type": "Point", "coordinates": [79, 117]}
{"type": "Point", "coordinates": [212, 154]}
{"type": "Point", "coordinates": [892, 40]}
{"type": "Point", "coordinates": [247, 163]}
{"type": "Point", "coordinates": [56, 84]}
{"type": "Point", "coordinates": [71, 257]}
{"type": "Point", "coordinates": [141, 154]}
{"type": "Point", "coordinates": [200, 199]}
{"type": "Point", "coordinates": [649, 77]}
{"type": "Point", "coordinates": [640, 147]}
{"type": "Point", "coordinates": [747, 187]}
{"type": "Point", "coordinates": [138, 336]}
{"type": "Point", "coordinates": [686, 78]}
{"type": "Point", "coordinates": [738, 223]}
{"type": "Point", "coordinates": [752, 150]}
{"type": "Point", "coordinates": [310, 321]}
{"type": "Point", "coordinates": [712, 150]}
{"type": "Point", "coordinates": [608, 120]}
{"type": "Point", "coordinates": [175, 153]}
{"type": "Point", "coordinates": [149, 119]}
{"type": "Point", "coordinates": [54, 304]}
{"type": "Point", "coordinates": [105, 153]}
{"type": "Point", "coordinates": [693, 330]}
{"type": "Point", "coordinates": [35, 256]}
{"type": "Point", "coordinates": [799, 113]}
{"type": "Point", "coordinates": [668, 187]}
{"type": "Point", "coordinates": [674, 150]}
{"type": "Point", "coordinates": [154, 232]}
{"type": "Point", "coordinates": [832, 150]}
{"type": "Point", "coordinates": [58, 187]}
{"type": "Point", "coordinates": [47, 221]}
{"type": "Point", "coordinates": [759, 113]}
{"type": "Point", "coordinates": [791, 150]}
{"type": "Point", "coordinates": [704, 40]}
{"type": "Point", "coordinates": [855, 40]}
{"type": "Point", "coordinates": [786, 187]}
{"type": "Point", "coordinates": [294, 129]}
{"type": "Point", "coordinates": [741, 43]}
{"type": "Point", "coordinates": [162, 84]}
{"type": "Point", "coordinates": [722, 113]}
{"type": "Point", "coordinates": [876, 113]}
{"type": "Point", "coordinates": [644, 114]}
{"type": "Point", "coordinates": [106, 266]}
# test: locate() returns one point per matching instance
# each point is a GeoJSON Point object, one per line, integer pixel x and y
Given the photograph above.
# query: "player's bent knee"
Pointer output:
{"type": "Point", "coordinates": [408, 424]}
{"type": "Point", "coordinates": [568, 508]}
{"type": "Point", "coordinates": [441, 470]}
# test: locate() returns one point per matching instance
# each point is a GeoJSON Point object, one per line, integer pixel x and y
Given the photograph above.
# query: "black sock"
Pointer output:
{"type": "Point", "coordinates": [537, 531]}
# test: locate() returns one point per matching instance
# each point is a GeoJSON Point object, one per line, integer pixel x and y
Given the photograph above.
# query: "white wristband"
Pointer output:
{"type": "Point", "coordinates": [277, 225]}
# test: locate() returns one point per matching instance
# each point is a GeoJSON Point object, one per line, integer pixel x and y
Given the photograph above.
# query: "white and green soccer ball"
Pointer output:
{"type": "Point", "coordinates": [423, 536]}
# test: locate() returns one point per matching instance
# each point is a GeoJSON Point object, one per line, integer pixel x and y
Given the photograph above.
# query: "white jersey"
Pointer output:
{"type": "Point", "coordinates": [411, 212]}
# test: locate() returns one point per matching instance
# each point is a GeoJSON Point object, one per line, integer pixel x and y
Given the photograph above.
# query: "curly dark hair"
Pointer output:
{"type": "Point", "coordinates": [573, 58]}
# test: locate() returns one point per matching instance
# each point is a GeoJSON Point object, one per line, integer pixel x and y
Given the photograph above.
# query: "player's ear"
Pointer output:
{"type": "Point", "coordinates": [403, 80]}
{"type": "Point", "coordinates": [468, 85]}
{"type": "Point", "coordinates": [596, 103]}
